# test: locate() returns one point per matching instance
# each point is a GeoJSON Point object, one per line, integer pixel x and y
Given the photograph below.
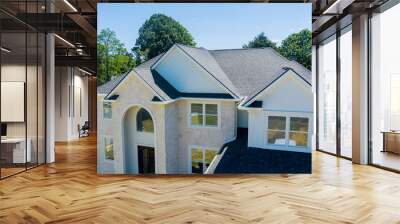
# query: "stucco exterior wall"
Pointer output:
{"type": "Point", "coordinates": [132, 92]}
{"type": "Point", "coordinates": [173, 133]}
{"type": "Point", "coordinates": [104, 128]}
{"type": "Point", "coordinates": [203, 136]}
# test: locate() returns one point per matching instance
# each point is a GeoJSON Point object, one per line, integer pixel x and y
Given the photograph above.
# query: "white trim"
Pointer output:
{"type": "Point", "coordinates": [214, 163]}
{"type": "Point", "coordinates": [288, 115]}
{"type": "Point", "coordinates": [249, 108]}
{"type": "Point", "coordinates": [204, 126]}
{"type": "Point", "coordinates": [196, 99]}
{"type": "Point", "coordinates": [203, 148]}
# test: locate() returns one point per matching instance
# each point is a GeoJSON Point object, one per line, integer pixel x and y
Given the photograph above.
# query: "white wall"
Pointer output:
{"type": "Point", "coordinates": [16, 73]}
{"type": "Point", "coordinates": [256, 130]}
{"type": "Point", "coordinates": [185, 75]}
{"type": "Point", "coordinates": [69, 82]}
{"type": "Point", "coordinates": [289, 94]}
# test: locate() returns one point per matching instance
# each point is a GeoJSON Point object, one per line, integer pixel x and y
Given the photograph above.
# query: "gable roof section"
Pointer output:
{"type": "Point", "coordinates": [110, 85]}
{"type": "Point", "coordinates": [242, 72]}
{"type": "Point", "coordinates": [141, 71]}
{"type": "Point", "coordinates": [203, 58]}
{"type": "Point", "coordinates": [173, 93]}
{"type": "Point", "coordinates": [254, 68]}
{"type": "Point", "coordinates": [252, 98]}
{"type": "Point", "coordinates": [206, 62]}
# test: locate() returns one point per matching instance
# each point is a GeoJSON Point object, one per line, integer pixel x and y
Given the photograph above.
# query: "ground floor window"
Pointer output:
{"type": "Point", "coordinates": [201, 158]}
{"type": "Point", "coordinates": [109, 148]}
{"type": "Point", "coordinates": [288, 129]}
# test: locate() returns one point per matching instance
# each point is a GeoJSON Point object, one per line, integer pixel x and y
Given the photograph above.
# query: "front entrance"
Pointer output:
{"type": "Point", "coordinates": [146, 160]}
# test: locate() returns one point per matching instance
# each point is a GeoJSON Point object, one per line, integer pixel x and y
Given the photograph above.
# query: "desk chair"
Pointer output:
{"type": "Point", "coordinates": [84, 130]}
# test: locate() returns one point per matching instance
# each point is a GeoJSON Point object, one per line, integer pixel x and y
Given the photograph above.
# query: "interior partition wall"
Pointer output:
{"type": "Point", "coordinates": [334, 93]}
{"type": "Point", "coordinates": [23, 87]}
{"type": "Point", "coordinates": [385, 89]}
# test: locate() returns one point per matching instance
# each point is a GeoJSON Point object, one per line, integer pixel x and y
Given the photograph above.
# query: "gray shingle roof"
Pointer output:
{"type": "Point", "coordinates": [110, 85]}
{"type": "Point", "coordinates": [244, 72]}
{"type": "Point", "coordinates": [144, 71]}
{"type": "Point", "coordinates": [251, 69]}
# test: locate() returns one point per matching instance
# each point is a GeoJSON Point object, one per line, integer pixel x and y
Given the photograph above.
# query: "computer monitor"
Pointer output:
{"type": "Point", "coordinates": [3, 130]}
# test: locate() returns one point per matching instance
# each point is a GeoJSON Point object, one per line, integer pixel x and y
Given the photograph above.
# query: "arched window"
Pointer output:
{"type": "Point", "coordinates": [144, 123]}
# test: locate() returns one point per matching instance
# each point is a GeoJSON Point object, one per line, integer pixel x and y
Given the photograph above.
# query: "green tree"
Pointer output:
{"type": "Point", "coordinates": [297, 46]}
{"type": "Point", "coordinates": [112, 57]}
{"type": "Point", "coordinates": [260, 41]}
{"type": "Point", "coordinates": [158, 34]}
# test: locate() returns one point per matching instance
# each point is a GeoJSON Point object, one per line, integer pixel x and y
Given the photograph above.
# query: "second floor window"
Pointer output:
{"type": "Point", "coordinates": [107, 110]}
{"type": "Point", "coordinates": [144, 122]}
{"type": "Point", "coordinates": [204, 114]}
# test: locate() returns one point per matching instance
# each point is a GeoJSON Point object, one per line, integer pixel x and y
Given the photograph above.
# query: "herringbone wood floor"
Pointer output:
{"type": "Point", "coordinates": [70, 191]}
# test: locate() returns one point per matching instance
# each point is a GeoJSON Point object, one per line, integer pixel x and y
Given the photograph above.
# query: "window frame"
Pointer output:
{"type": "Point", "coordinates": [203, 149]}
{"type": "Point", "coordinates": [277, 130]}
{"type": "Point", "coordinates": [137, 121]}
{"type": "Point", "coordinates": [288, 116]}
{"type": "Point", "coordinates": [203, 103]}
{"type": "Point", "coordinates": [104, 147]}
{"type": "Point", "coordinates": [103, 106]}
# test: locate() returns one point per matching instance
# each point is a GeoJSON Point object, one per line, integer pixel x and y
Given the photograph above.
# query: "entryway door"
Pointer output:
{"type": "Point", "coordinates": [146, 160]}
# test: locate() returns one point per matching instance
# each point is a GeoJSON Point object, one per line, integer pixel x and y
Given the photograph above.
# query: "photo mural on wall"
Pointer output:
{"type": "Point", "coordinates": [204, 89]}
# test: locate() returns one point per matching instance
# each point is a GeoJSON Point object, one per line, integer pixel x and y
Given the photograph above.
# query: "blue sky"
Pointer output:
{"type": "Point", "coordinates": [213, 26]}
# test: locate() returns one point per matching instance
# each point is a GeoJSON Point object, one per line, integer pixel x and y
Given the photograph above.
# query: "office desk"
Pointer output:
{"type": "Point", "coordinates": [13, 150]}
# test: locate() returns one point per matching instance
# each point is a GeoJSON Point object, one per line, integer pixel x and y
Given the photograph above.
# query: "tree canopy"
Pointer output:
{"type": "Point", "coordinates": [297, 46]}
{"type": "Point", "coordinates": [158, 34]}
{"type": "Point", "coordinates": [260, 41]}
{"type": "Point", "coordinates": [112, 57]}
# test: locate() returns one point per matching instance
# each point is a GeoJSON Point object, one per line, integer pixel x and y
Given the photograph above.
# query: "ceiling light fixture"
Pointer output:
{"type": "Point", "coordinates": [86, 72]}
{"type": "Point", "coordinates": [337, 7]}
{"type": "Point", "coordinates": [65, 41]}
{"type": "Point", "coordinates": [70, 5]}
{"type": "Point", "coordinates": [5, 50]}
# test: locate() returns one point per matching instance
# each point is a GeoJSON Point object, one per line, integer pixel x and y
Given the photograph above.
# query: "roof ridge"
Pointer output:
{"type": "Point", "coordinates": [226, 49]}
{"type": "Point", "coordinates": [292, 61]}
{"type": "Point", "coordinates": [233, 49]}
{"type": "Point", "coordinates": [200, 48]}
